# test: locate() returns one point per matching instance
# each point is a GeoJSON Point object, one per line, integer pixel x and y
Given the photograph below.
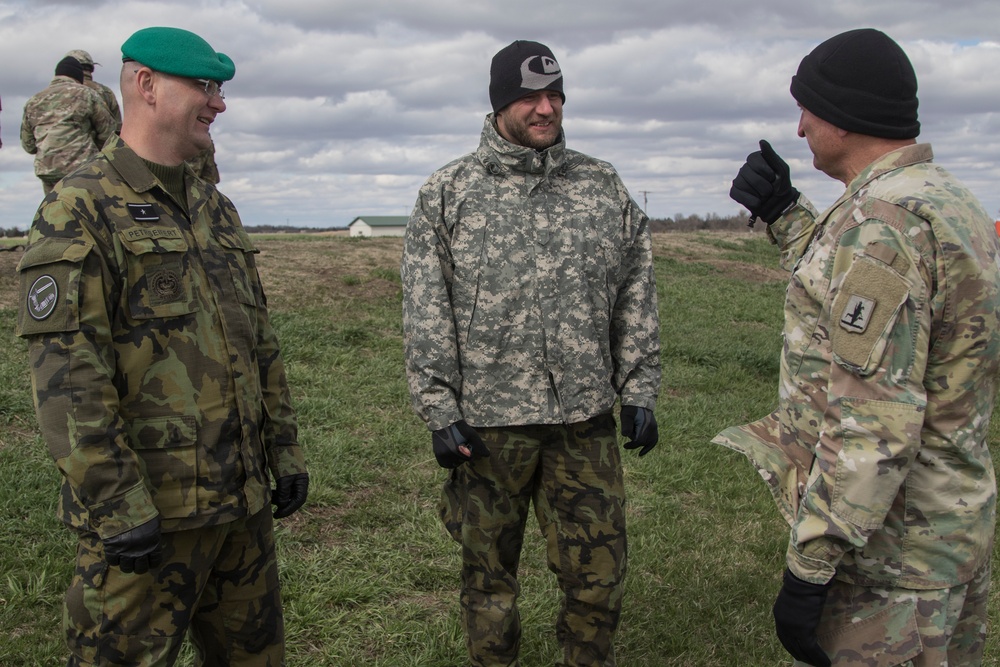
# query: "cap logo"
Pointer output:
{"type": "Point", "coordinates": [533, 80]}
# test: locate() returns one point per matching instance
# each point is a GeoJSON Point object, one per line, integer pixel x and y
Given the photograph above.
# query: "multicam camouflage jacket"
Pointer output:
{"type": "Point", "coordinates": [158, 383]}
{"type": "Point", "coordinates": [63, 126]}
{"type": "Point", "coordinates": [529, 295]}
{"type": "Point", "coordinates": [109, 98]}
{"type": "Point", "coordinates": [877, 453]}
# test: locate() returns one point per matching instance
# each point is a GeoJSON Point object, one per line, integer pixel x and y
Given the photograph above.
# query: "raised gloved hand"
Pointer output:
{"type": "Point", "coordinates": [639, 426]}
{"type": "Point", "coordinates": [289, 493]}
{"type": "Point", "coordinates": [136, 550]}
{"type": "Point", "coordinates": [764, 185]}
{"type": "Point", "coordinates": [447, 441]}
{"type": "Point", "coordinates": [796, 616]}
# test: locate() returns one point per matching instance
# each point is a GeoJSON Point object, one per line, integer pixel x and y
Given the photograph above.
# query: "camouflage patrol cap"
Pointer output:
{"type": "Point", "coordinates": [83, 57]}
{"type": "Point", "coordinates": [178, 52]}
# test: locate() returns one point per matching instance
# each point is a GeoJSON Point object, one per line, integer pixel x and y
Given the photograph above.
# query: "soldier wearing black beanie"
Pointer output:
{"type": "Point", "coordinates": [70, 67]}
{"type": "Point", "coordinates": [888, 373]}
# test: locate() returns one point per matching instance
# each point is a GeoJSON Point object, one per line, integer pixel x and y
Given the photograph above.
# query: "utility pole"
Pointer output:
{"type": "Point", "coordinates": [645, 200]}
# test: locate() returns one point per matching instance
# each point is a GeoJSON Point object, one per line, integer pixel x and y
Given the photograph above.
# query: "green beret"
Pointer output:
{"type": "Point", "coordinates": [178, 52]}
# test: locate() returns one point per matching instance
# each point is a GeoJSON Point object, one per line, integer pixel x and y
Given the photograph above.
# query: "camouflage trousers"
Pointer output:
{"type": "Point", "coordinates": [573, 476]}
{"type": "Point", "coordinates": [219, 584]}
{"type": "Point", "coordinates": [883, 627]}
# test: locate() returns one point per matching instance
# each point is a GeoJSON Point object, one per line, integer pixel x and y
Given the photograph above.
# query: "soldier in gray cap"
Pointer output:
{"type": "Point", "coordinates": [529, 310]}
{"type": "Point", "coordinates": [65, 124]}
{"type": "Point", "coordinates": [108, 95]}
{"type": "Point", "coordinates": [159, 385]}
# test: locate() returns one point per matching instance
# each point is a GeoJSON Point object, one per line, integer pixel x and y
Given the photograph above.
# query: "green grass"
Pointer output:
{"type": "Point", "coordinates": [369, 575]}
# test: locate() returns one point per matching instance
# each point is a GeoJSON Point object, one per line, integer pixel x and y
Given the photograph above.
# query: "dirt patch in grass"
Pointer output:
{"type": "Point", "coordinates": [310, 272]}
{"type": "Point", "coordinates": [8, 275]}
{"type": "Point", "coordinates": [319, 270]}
{"type": "Point", "coordinates": [693, 247]}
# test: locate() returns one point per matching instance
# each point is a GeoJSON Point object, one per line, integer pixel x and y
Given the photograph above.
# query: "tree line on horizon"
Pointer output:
{"type": "Point", "coordinates": [679, 222]}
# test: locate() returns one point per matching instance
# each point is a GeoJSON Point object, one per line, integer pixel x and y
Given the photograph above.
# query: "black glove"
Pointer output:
{"type": "Point", "coordinates": [764, 185]}
{"type": "Point", "coordinates": [446, 441]}
{"type": "Point", "coordinates": [135, 550]}
{"type": "Point", "coordinates": [796, 617]}
{"type": "Point", "coordinates": [289, 494]}
{"type": "Point", "coordinates": [639, 425]}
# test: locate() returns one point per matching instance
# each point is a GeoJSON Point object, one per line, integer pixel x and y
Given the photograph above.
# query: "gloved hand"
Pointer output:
{"type": "Point", "coordinates": [764, 185]}
{"type": "Point", "coordinates": [289, 493]}
{"type": "Point", "coordinates": [447, 440]}
{"type": "Point", "coordinates": [639, 425]}
{"type": "Point", "coordinates": [135, 550]}
{"type": "Point", "coordinates": [796, 616]}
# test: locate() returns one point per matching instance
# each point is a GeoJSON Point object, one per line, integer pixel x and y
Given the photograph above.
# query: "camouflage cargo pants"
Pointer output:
{"type": "Point", "coordinates": [883, 627]}
{"type": "Point", "coordinates": [573, 476]}
{"type": "Point", "coordinates": [219, 583]}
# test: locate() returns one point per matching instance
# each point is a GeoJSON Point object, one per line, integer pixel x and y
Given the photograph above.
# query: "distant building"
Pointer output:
{"type": "Point", "coordinates": [378, 225]}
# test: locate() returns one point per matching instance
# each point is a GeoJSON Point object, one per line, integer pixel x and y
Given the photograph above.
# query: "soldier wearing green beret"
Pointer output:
{"type": "Point", "coordinates": [878, 453]}
{"type": "Point", "coordinates": [158, 383]}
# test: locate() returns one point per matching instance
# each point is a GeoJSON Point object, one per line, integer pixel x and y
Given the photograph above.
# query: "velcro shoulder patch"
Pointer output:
{"type": "Point", "coordinates": [49, 274]}
{"type": "Point", "coordinates": [865, 311]}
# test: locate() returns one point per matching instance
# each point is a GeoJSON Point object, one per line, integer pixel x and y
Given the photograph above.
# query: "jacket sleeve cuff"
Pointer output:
{"type": "Point", "coordinates": [129, 510]}
{"type": "Point", "coordinates": [816, 563]}
{"type": "Point", "coordinates": [284, 460]}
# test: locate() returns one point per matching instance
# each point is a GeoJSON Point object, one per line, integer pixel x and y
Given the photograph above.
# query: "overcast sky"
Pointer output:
{"type": "Point", "coordinates": [342, 108]}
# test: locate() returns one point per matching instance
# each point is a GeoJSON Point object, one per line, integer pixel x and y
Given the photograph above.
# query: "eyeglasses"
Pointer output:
{"type": "Point", "coordinates": [212, 88]}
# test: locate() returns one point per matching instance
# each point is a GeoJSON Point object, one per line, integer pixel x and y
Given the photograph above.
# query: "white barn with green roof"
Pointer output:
{"type": "Point", "coordinates": [378, 225]}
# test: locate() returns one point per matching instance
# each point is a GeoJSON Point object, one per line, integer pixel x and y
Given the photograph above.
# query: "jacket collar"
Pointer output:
{"type": "Point", "coordinates": [499, 155]}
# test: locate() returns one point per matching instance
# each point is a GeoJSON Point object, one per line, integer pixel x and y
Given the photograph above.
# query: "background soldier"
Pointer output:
{"type": "Point", "coordinates": [878, 452]}
{"type": "Point", "coordinates": [529, 308]}
{"type": "Point", "coordinates": [106, 93]}
{"type": "Point", "coordinates": [64, 125]}
{"type": "Point", "coordinates": [203, 165]}
{"type": "Point", "coordinates": [158, 383]}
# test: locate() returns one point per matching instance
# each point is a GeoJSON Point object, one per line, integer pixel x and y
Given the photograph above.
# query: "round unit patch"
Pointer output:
{"type": "Point", "coordinates": [43, 297]}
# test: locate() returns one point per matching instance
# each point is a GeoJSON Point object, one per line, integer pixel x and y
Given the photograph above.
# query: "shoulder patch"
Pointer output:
{"type": "Point", "coordinates": [43, 295]}
{"type": "Point", "coordinates": [866, 309]}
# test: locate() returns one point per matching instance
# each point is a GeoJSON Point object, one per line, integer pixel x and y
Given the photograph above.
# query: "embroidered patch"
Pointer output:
{"type": "Point", "coordinates": [857, 314]}
{"type": "Point", "coordinates": [164, 286]}
{"type": "Point", "coordinates": [43, 297]}
{"type": "Point", "coordinates": [143, 212]}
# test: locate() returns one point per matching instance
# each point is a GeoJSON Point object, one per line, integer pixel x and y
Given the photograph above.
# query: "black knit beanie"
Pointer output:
{"type": "Point", "coordinates": [70, 67]}
{"type": "Point", "coordinates": [860, 81]}
{"type": "Point", "coordinates": [521, 68]}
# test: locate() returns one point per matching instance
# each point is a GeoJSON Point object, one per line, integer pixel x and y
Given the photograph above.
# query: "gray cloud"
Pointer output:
{"type": "Point", "coordinates": [343, 108]}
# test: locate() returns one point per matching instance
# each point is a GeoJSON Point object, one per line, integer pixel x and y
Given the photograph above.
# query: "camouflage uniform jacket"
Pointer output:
{"type": "Point", "coordinates": [157, 379]}
{"type": "Point", "coordinates": [109, 98]}
{"type": "Point", "coordinates": [63, 126]}
{"type": "Point", "coordinates": [529, 295]}
{"type": "Point", "coordinates": [878, 453]}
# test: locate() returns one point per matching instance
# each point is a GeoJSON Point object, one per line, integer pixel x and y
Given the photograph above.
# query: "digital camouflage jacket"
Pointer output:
{"type": "Point", "coordinates": [63, 126]}
{"type": "Point", "coordinates": [878, 453]}
{"type": "Point", "coordinates": [529, 295]}
{"type": "Point", "coordinates": [158, 383]}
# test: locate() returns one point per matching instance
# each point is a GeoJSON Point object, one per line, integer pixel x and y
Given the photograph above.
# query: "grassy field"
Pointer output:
{"type": "Point", "coordinates": [369, 575]}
